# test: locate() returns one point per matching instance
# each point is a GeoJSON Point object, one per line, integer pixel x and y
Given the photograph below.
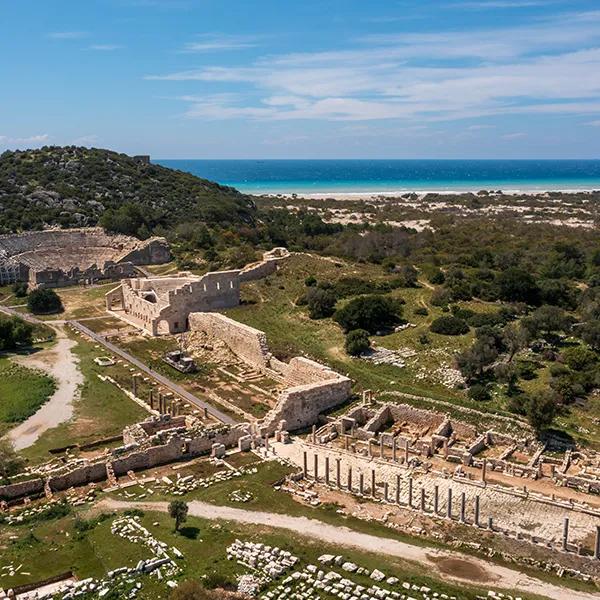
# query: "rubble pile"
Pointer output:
{"type": "Point", "coordinates": [241, 496]}
{"type": "Point", "coordinates": [189, 483]}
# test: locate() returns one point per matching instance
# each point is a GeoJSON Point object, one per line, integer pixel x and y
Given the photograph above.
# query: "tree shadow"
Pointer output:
{"type": "Point", "coordinates": [189, 532]}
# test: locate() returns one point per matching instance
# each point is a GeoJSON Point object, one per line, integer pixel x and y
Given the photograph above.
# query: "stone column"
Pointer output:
{"type": "Point", "coordinates": [397, 489]}
{"type": "Point", "coordinates": [327, 470]}
{"type": "Point", "coordinates": [373, 490]}
{"type": "Point", "coordinates": [449, 504]}
{"type": "Point", "coordinates": [463, 506]}
{"type": "Point", "coordinates": [491, 523]}
{"type": "Point", "coordinates": [381, 446]}
{"type": "Point", "coordinates": [565, 536]}
{"type": "Point", "coordinates": [305, 465]}
{"type": "Point", "coordinates": [423, 499]}
{"type": "Point", "coordinates": [338, 473]}
{"type": "Point", "coordinates": [445, 448]}
{"type": "Point", "coordinates": [266, 443]}
{"type": "Point", "coordinates": [361, 483]}
{"type": "Point", "coordinates": [410, 491]}
{"type": "Point", "coordinates": [314, 434]}
{"type": "Point", "coordinates": [316, 467]}
{"type": "Point", "coordinates": [406, 452]}
{"type": "Point", "coordinates": [370, 448]}
{"type": "Point", "coordinates": [350, 479]}
{"type": "Point", "coordinates": [134, 385]}
{"type": "Point", "coordinates": [160, 403]}
{"type": "Point", "coordinates": [151, 398]}
{"type": "Point", "coordinates": [345, 442]}
{"type": "Point", "coordinates": [476, 518]}
{"type": "Point", "coordinates": [484, 470]}
{"type": "Point", "coordinates": [205, 412]}
{"type": "Point", "coordinates": [436, 499]}
{"type": "Point", "coordinates": [597, 545]}
{"type": "Point", "coordinates": [394, 457]}
{"type": "Point", "coordinates": [386, 491]}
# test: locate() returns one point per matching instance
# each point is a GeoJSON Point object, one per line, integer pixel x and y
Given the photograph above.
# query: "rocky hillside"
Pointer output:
{"type": "Point", "coordinates": [71, 186]}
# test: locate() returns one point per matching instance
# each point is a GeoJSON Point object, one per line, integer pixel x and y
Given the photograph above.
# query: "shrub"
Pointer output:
{"type": "Point", "coordinates": [421, 311]}
{"type": "Point", "coordinates": [357, 342]}
{"type": "Point", "coordinates": [478, 392]}
{"type": "Point", "coordinates": [371, 313]}
{"type": "Point", "coordinates": [44, 301]}
{"type": "Point", "coordinates": [441, 297]}
{"type": "Point", "coordinates": [20, 289]}
{"type": "Point", "coordinates": [310, 281]}
{"type": "Point", "coordinates": [579, 358]}
{"type": "Point", "coordinates": [321, 303]}
{"type": "Point", "coordinates": [449, 325]}
{"type": "Point", "coordinates": [517, 285]}
{"type": "Point", "coordinates": [437, 277]}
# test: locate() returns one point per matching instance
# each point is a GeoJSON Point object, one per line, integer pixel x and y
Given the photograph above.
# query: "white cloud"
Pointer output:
{"type": "Point", "coordinates": [18, 142]}
{"type": "Point", "coordinates": [105, 47]}
{"type": "Point", "coordinates": [67, 35]}
{"type": "Point", "coordinates": [514, 136]}
{"type": "Point", "coordinates": [534, 69]}
{"type": "Point", "coordinates": [212, 42]}
{"type": "Point", "coordinates": [85, 140]}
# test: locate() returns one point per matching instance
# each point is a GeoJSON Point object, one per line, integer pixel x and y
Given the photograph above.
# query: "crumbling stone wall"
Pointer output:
{"type": "Point", "coordinates": [247, 343]}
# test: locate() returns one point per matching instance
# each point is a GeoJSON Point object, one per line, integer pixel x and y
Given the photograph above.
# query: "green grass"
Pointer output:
{"type": "Point", "coordinates": [22, 392]}
{"type": "Point", "coordinates": [102, 411]}
{"type": "Point", "coordinates": [54, 547]}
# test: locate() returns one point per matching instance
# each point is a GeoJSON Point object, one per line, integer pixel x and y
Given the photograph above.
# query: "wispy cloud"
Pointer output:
{"type": "Point", "coordinates": [105, 47]}
{"type": "Point", "coordinates": [446, 75]}
{"type": "Point", "coordinates": [514, 136]}
{"type": "Point", "coordinates": [212, 42]}
{"type": "Point", "coordinates": [86, 140]}
{"type": "Point", "coordinates": [594, 123]}
{"type": "Point", "coordinates": [489, 4]}
{"type": "Point", "coordinates": [67, 35]}
{"type": "Point", "coordinates": [33, 140]}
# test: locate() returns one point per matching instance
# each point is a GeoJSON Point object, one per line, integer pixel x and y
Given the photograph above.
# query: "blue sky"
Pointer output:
{"type": "Point", "coordinates": [306, 79]}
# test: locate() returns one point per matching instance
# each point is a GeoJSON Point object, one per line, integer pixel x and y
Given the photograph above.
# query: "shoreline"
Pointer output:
{"type": "Point", "coordinates": [375, 195]}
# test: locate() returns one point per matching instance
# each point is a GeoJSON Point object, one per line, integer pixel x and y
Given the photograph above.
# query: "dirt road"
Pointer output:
{"type": "Point", "coordinates": [448, 565]}
{"type": "Point", "coordinates": [59, 362]}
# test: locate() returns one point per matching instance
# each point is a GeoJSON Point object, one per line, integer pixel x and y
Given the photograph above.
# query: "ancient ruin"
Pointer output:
{"type": "Point", "coordinates": [58, 258]}
{"type": "Point", "coordinates": [161, 305]}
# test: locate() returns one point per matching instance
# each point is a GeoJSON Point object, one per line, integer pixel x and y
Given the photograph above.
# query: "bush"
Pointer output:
{"type": "Point", "coordinates": [437, 277]}
{"type": "Point", "coordinates": [321, 303]}
{"type": "Point", "coordinates": [14, 332]}
{"type": "Point", "coordinates": [449, 325]}
{"type": "Point", "coordinates": [579, 358]}
{"type": "Point", "coordinates": [44, 301]}
{"type": "Point", "coordinates": [357, 342]}
{"type": "Point", "coordinates": [517, 285]}
{"type": "Point", "coordinates": [421, 311]}
{"type": "Point", "coordinates": [441, 297]}
{"type": "Point", "coordinates": [371, 313]}
{"type": "Point", "coordinates": [478, 392]}
{"type": "Point", "coordinates": [20, 289]}
{"type": "Point", "coordinates": [310, 281]}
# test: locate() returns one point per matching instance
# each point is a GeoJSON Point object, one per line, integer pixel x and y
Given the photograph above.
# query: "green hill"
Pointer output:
{"type": "Point", "coordinates": [74, 187]}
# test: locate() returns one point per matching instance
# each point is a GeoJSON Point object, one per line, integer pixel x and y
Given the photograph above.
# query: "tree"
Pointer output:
{"type": "Point", "coordinates": [371, 313]}
{"type": "Point", "coordinates": [590, 333]}
{"type": "Point", "coordinates": [20, 289]}
{"type": "Point", "coordinates": [321, 303]}
{"type": "Point", "coordinates": [449, 325]}
{"type": "Point", "coordinates": [517, 285]}
{"type": "Point", "coordinates": [546, 320]}
{"type": "Point", "coordinates": [10, 462]}
{"type": "Point", "coordinates": [14, 332]}
{"type": "Point", "coordinates": [514, 338]}
{"type": "Point", "coordinates": [357, 342]}
{"type": "Point", "coordinates": [473, 361]}
{"type": "Point", "coordinates": [541, 411]}
{"type": "Point", "coordinates": [43, 301]}
{"type": "Point", "coordinates": [178, 510]}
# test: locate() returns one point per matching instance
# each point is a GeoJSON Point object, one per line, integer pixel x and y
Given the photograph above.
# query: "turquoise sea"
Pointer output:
{"type": "Point", "coordinates": [379, 176]}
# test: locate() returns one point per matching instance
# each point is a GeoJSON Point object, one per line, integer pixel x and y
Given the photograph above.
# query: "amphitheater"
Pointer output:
{"type": "Point", "coordinates": [57, 258]}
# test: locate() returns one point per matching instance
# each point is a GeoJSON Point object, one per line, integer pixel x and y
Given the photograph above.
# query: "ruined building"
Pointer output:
{"type": "Point", "coordinates": [161, 305]}
{"type": "Point", "coordinates": [57, 258]}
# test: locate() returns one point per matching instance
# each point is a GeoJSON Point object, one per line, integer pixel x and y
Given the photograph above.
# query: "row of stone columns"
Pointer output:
{"type": "Point", "coordinates": [422, 505]}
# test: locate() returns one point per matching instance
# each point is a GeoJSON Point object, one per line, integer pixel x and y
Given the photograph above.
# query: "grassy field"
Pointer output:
{"type": "Point", "coordinates": [22, 392]}
{"type": "Point", "coordinates": [56, 546]}
{"type": "Point", "coordinates": [269, 306]}
{"type": "Point", "coordinates": [101, 411]}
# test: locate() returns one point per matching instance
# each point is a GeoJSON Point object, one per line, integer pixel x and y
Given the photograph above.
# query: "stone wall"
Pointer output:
{"type": "Point", "coordinates": [163, 447]}
{"type": "Point", "coordinates": [247, 343]}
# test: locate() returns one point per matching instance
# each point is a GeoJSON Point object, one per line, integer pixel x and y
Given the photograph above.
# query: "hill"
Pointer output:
{"type": "Point", "coordinates": [73, 187]}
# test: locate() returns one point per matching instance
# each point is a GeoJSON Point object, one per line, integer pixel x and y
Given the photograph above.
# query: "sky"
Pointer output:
{"type": "Point", "coordinates": [304, 79]}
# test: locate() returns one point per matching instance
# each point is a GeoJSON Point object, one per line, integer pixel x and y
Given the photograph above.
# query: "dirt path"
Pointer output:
{"type": "Point", "coordinates": [59, 362]}
{"type": "Point", "coordinates": [446, 564]}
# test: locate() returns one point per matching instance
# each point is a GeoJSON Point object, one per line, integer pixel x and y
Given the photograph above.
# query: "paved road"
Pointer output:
{"type": "Point", "coordinates": [446, 564]}
{"type": "Point", "coordinates": [164, 381]}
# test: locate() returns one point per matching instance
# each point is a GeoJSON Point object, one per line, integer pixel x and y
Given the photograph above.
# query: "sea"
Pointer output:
{"type": "Point", "coordinates": [361, 177]}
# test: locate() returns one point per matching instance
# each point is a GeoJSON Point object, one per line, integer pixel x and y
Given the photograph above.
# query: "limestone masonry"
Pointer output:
{"type": "Point", "coordinates": [310, 388]}
{"type": "Point", "coordinates": [161, 305]}
{"type": "Point", "coordinates": [57, 258]}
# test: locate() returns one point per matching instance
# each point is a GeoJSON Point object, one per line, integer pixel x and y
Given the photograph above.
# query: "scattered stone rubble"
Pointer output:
{"type": "Point", "coordinates": [241, 496]}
